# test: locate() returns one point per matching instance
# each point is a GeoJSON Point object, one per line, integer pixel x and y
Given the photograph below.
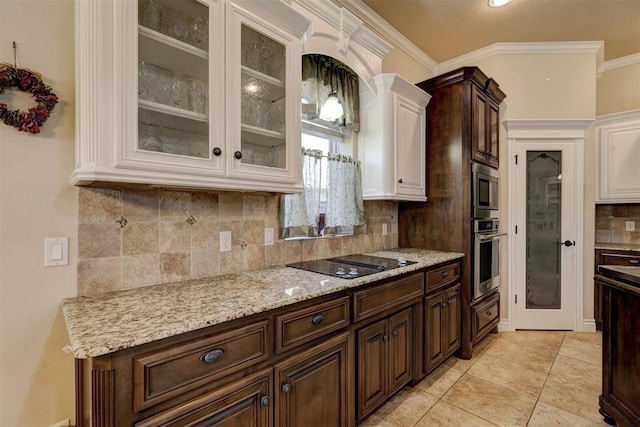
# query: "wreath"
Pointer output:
{"type": "Point", "coordinates": [28, 81]}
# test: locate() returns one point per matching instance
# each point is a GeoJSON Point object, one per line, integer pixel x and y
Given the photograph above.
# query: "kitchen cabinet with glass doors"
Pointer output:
{"type": "Point", "coordinates": [193, 94]}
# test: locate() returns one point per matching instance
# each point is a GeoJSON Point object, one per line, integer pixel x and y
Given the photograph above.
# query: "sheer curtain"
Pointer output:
{"type": "Point", "coordinates": [345, 208]}
{"type": "Point", "coordinates": [299, 213]}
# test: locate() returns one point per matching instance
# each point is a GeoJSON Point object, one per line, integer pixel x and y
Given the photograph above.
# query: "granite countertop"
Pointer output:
{"type": "Point", "coordinates": [118, 320]}
{"type": "Point", "coordinates": [618, 246]}
{"type": "Point", "coordinates": [625, 273]}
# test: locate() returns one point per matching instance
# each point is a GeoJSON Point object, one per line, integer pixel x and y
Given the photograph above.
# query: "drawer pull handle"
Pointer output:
{"type": "Point", "coordinates": [445, 274]}
{"type": "Point", "coordinates": [634, 261]}
{"type": "Point", "coordinates": [213, 355]}
{"type": "Point", "coordinates": [264, 402]}
{"type": "Point", "coordinates": [286, 388]}
{"type": "Point", "coordinates": [317, 319]}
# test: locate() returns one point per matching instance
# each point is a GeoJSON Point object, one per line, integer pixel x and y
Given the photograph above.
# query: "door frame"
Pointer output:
{"type": "Point", "coordinates": [562, 131]}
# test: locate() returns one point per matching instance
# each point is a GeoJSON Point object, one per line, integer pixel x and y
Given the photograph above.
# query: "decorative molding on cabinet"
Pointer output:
{"type": "Point", "coordinates": [382, 27]}
{"type": "Point", "coordinates": [618, 155]}
{"type": "Point", "coordinates": [526, 48]}
{"type": "Point", "coordinates": [624, 61]}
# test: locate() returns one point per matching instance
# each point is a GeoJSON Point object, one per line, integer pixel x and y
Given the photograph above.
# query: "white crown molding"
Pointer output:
{"type": "Point", "coordinates": [347, 21]}
{"type": "Point", "coordinates": [386, 30]}
{"type": "Point", "coordinates": [573, 128]}
{"type": "Point", "coordinates": [619, 62]}
{"type": "Point", "coordinates": [616, 118]}
{"type": "Point", "coordinates": [520, 48]}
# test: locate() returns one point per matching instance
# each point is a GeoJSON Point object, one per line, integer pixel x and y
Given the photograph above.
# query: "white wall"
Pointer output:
{"type": "Point", "coordinates": [619, 90]}
{"type": "Point", "coordinates": [36, 201]}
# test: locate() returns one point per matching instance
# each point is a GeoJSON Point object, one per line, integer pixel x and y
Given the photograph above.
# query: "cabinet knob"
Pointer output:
{"type": "Point", "coordinates": [237, 155]}
{"type": "Point", "coordinates": [445, 274]}
{"type": "Point", "coordinates": [489, 313]}
{"type": "Point", "coordinates": [444, 304]}
{"type": "Point", "coordinates": [217, 151]}
{"type": "Point", "coordinates": [400, 180]}
{"type": "Point", "coordinates": [264, 402]}
{"type": "Point", "coordinates": [385, 337]}
{"type": "Point", "coordinates": [212, 356]}
{"type": "Point", "coordinates": [395, 332]}
{"type": "Point", "coordinates": [317, 319]}
{"type": "Point", "coordinates": [286, 388]}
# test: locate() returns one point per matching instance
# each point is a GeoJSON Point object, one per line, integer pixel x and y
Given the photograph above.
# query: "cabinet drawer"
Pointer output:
{"type": "Point", "coordinates": [442, 276]}
{"type": "Point", "coordinates": [485, 316]}
{"type": "Point", "coordinates": [607, 258]}
{"type": "Point", "coordinates": [301, 326]}
{"type": "Point", "coordinates": [377, 299]}
{"type": "Point", "coordinates": [171, 371]}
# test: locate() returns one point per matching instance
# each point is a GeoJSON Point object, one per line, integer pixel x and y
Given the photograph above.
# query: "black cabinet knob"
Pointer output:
{"type": "Point", "coordinates": [400, 181]}
{"type": "Point", "coordinates": [237, 155]}
{"type": "Point", "coordinates": [217, 151]}
{"type": "Point", "coordinates": [445, 274]}
{"type": "Point", "coordinates": [317, 319]}
{"type": "Point", "coordinates": [264, 402]}
{"type": "Point", "coordinates": [212, 356]}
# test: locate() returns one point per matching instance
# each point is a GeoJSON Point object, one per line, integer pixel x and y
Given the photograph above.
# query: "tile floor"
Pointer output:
{"type": "Point", "coordinates": [522, 378]}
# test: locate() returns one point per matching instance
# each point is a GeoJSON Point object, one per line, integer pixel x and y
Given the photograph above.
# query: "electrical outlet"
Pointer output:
{"type": "Point", "coordinates": [384, 229]}
{"type": "Point", "coordinates": [268, 236]}
{"type": "Point", "coordinates": [631, 226]}
{"type": "Point", "coordinates": [225, 241]}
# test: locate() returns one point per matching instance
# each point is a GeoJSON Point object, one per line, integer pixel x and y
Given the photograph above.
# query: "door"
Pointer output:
{"type": "Point", "coordinates": [434, 324]}
{"type": "Point", "coordinates": [451, 333]}
{"type": "Point", "coordinates": [372, 367]}
{"type": "Point", "coordinates": [399, 350]}
{"type": "Point", "coordinates": [311, 387]}
{"type": "Point", "coordinates": [545, 240]}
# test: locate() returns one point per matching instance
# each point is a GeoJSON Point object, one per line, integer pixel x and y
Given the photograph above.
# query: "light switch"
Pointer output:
{"type": "Point", "coordinates": [268, 236]}
{"type": "Point", "coordinates": [56, 251]}
{"type": "Point", "coordinates": [384, 229]}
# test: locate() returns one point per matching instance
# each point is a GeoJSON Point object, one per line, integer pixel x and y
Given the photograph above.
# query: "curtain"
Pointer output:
{"type": "Point", "coordinates": [322, 75]}
{"type": "Point", "coordinates": [299, 213]}
{"type": "Point", "coordinates": [345, 208]}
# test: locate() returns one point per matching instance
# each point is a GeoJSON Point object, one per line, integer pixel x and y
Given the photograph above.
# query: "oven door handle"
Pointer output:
{"type": "Point", "coordinates": [489, 236]}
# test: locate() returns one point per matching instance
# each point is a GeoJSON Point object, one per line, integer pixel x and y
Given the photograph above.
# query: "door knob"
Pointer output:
{"type": "Point", "coordinates": [568, 243]}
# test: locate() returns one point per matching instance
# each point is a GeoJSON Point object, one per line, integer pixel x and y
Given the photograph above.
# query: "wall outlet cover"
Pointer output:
{"type": "Point", "coordinates": [269, 238]}
{"type": "Point", "coordinates": [631, 226]}
{"type": "Point", "coordinates": [225, 241]}
{"type": "Point", "coordinates": [384, 229]}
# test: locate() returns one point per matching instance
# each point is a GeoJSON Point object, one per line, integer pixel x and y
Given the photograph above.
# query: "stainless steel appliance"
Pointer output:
{"type": "Point", "coordinates": [485, 191]}
{"type": "Point", "coordinates": [351, 266]}
{"type": "Point", "coordinates": [486, 256]}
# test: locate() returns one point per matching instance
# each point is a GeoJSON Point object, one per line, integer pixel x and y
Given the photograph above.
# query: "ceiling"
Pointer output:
{"type": "Point", "coordinates": [446, 29]}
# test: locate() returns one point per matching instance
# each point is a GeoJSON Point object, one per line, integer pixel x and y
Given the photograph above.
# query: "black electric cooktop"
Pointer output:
{"type": "Point", "coordinates": [351, 266]}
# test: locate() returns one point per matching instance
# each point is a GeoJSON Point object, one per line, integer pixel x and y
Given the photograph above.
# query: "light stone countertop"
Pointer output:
{"type": "Point", "coordinates": [618, 246]}
{"type": "Point", "coordinates": [118, 320]}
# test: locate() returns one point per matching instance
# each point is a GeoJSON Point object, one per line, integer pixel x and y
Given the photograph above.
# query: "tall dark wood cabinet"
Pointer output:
{"type": "Point", "coordinates": [462, 126]}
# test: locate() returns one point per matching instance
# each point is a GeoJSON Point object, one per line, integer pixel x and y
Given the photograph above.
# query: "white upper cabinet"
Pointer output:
{"type": "Point", "coordinates": [193, 94]}
{"type": "Point", "coordinates": [392, 140]}
{"type": "Point", "coordinates": [618, 158]}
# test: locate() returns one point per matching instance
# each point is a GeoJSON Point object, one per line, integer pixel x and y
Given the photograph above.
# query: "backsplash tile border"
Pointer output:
{"type": "Point", "coordinates": [170, 235]}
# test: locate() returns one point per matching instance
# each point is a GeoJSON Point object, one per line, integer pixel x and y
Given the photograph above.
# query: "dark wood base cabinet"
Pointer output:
{"type": "Point", "coordinates": [609, 257]}
{"type": "Point", "coordinates": [620, 399]}
{"type": "Point", "coordinates": [442, 326]}
{"type": "Point", "coordinates": [485, 316]}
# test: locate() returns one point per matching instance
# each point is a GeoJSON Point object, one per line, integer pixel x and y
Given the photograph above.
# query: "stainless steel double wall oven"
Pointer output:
{"type": "Point", "coordinates": [486, 230]}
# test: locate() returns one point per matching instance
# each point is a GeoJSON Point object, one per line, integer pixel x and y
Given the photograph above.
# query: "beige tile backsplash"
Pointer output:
{"type": "Point", "coordinates": [134, 238]}
{"type": "Point", "coordinates": [611, 223]}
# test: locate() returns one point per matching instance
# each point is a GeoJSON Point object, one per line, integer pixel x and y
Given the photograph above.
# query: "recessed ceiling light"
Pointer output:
{"type": "Point", "coordinates": [499, 3]}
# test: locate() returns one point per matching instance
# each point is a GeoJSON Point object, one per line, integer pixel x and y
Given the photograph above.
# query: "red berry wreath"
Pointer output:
{"type": "Point", "coordinates": [31, 82]}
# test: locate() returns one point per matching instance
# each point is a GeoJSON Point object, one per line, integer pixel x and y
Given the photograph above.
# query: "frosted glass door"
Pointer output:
{"type": "Point", "coordinates": [173, 82]}
{"type": "Point", "coordinates": [263, 101]}
{"type": "Point", "coordinates": [543, 195]}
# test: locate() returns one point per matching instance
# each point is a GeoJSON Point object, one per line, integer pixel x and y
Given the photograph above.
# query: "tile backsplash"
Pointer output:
{"type": "Point", "coordinates": [611, 223]}
{"type": "Point", "coordinates": [134, 238]}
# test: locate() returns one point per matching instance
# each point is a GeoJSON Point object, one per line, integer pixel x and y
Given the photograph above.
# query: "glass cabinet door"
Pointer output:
{"type": "Point", "coordinates": [173, 80]}
{"type": "Point", "coordinates": [262, 99]}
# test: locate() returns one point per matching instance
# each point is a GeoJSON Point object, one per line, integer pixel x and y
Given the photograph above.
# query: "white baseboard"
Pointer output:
{"type": "Point", "coordinates": [588, 325]}
{"type": "Point", "coordinates": [504, 326]}
{"type": "Point", "coordinates": [63, 423]}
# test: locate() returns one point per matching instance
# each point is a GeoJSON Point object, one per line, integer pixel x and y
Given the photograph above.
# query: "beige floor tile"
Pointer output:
{"type": "Point", "coordinates": [406, 408]}
{"type": "Point", "coordinates": [491, 402]}
{"type": "Point", "coordinates": [480, 348]}
{"type": "Point", "coordinates": [549, 340]}
{"type": "Point", "coordinates": [438, 382]}
{"type": "Point", "coordinates": [577, 370]}
{"type": "Point", "coordinates": [585, 346]}
{"type": "Point", "coordinates": [577, 398]}
{"type": "Point", "coordinates": [523, 353]}
{"type": "Point", "coordinates": [460, 364]}
{"type": "Point", "coordinates": [445, 414]}
{"type": "Point", "coordinates": [512, 375]}
{"type": "Point", "coordinates": [375, 421]}
{"type": "Point", "coordinates": [545, 415]}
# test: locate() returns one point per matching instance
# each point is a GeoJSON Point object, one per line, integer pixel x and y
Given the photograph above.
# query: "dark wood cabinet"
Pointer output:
{"type": "Point", "coordinates": [609, 257]}
{"type": "Point", "coordinates": [312, 388]}
{"type": "Point", "coordinates": [485, 316]}
{"type": "Point", "coordinates": [620, 399]}
{"type": "Point", "coordinates": [246, 403]}
{"type": "Point", "coordinates": [463, 123]}
{"type": "Point", "coordinates": [442, 325]}
{"type": "Point", "coordinates": [384, 360]}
